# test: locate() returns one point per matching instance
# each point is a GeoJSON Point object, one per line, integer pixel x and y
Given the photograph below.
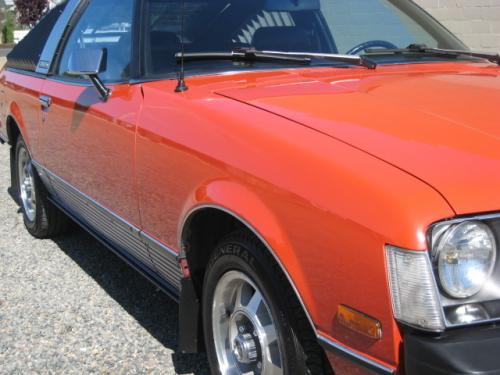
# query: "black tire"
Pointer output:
{"type": "Point", "coordinates": [48, 220]}
{"type": "Point", "coordinates": [300, 350]}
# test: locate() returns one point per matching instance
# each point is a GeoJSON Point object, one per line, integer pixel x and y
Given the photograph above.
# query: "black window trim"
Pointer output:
{"type": "Point", "coordinates": [68, 28]}
{"type": "Point", "coordinates": [49, 50]}
{"type": "Point", "coordinates": [25, 72]}
{"type": "Point", "coordinates": [137, 67]}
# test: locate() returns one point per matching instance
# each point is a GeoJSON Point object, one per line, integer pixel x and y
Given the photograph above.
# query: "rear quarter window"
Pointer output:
{"type": "Point", "coordinates": [26, 54]}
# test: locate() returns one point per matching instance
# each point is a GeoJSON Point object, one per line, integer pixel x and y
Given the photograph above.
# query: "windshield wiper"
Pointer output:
{"type": "Point", "coordinates": [250, 54]}
{"type": "Point", "coordinates": [240, 54]}
{"type": "Point", "coordinates": [348, 59]}
{"type": "Point", "coordinates": [422, 48]}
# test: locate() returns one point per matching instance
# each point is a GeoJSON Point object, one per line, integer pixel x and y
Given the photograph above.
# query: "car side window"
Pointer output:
{"type": "Point", "coordinates": [104, 25]}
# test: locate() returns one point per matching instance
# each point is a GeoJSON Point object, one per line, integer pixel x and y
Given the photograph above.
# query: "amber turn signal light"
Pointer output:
{"type": "Point", "coordinates": [359, 322]}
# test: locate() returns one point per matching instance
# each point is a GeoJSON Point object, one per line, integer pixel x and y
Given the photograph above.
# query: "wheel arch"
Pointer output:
{"type": "Point", "coordinates": [237, 221]}
{"type": "Point", "coordinates": [208, 220]}
{"type": "Point", "coordinates": [15, 126]}
{"type": "Point", "coordinates": [13, 130]}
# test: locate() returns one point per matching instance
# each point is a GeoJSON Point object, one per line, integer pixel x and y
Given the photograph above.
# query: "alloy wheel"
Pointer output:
{"type": "Point", "coordinates": [244, 330]}
{"type": "Point", "coordinates": [27, 184]}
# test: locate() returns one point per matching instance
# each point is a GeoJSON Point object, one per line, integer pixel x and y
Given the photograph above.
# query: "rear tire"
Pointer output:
{"type": "Point", "coordinates": [269, 337]}
{"type": "Point", "coordinates": [41, 218]}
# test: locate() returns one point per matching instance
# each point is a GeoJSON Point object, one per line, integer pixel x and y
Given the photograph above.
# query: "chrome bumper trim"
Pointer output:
{"type": "Point", "coordinates": [359, 359]}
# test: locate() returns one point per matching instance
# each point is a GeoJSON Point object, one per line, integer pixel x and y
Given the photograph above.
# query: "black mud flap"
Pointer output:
{"type": "Point", "coordinates": [13, 190]}
{"type": "Point", "coordinates": [190, 327]}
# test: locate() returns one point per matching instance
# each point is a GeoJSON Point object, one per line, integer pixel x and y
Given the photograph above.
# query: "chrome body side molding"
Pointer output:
{"type": "Point", "coordinates": [164, 260]}
{"type": "Point", "coordinates": [360, 360]}
{"type": "Point", "coordinates": [114, 229]}
{"type": "Point", "coordinates": [143, 251]}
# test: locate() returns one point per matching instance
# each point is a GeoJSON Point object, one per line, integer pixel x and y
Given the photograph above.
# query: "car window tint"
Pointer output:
{"type": "Point", "coordinates": [221, 25]}
{"type": "Point", "coordinates": [163, 36]}
{"type": "Point", "coordinates": [104, 25]}
{"type": "Point", "coordinates": [354, 22]}
{"type": "Point", "coordinates": [324, 26]}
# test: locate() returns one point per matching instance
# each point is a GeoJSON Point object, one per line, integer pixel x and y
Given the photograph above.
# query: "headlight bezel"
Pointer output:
{"type": "Point", "coordinates": [488, 298]}
{"type": "Point", "coordinates": [438, 252]}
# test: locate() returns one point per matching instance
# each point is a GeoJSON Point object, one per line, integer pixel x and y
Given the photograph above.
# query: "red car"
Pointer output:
{"type": "Point", "coordinates": [315, 181]}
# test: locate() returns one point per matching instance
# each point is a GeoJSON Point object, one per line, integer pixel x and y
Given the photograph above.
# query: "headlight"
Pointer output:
{"type": "Point", "coordinates": [466, 255]}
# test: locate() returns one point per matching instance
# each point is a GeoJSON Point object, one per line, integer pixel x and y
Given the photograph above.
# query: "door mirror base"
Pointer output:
{"type": "Point", "coordinates": [104, 92]}
{"type": "Point", "coordinates": [89, 63]}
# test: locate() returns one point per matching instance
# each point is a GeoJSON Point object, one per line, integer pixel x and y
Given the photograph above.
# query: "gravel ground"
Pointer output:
{"type": "Point", "coordinates": [70, 306]}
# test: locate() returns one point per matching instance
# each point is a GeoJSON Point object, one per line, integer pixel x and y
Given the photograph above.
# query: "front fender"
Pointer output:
{"type": "Point", "coordinates": [247, 207]}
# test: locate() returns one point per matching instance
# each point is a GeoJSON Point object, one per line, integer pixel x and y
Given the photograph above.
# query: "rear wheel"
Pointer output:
{"type": "Point", "coordinates": [253, 323]}
{"type": "Point", "coordinates": [26, 178]}
{"type": "Point", "coordinates": [41, 218]}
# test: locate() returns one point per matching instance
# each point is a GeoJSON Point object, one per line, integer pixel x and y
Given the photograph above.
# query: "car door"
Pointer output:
{"type": "Point", "coordinates": [89, 143]}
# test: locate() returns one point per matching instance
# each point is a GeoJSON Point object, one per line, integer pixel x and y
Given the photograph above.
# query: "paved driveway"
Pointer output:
{"type": "Point", "coordinates": [69, 306]}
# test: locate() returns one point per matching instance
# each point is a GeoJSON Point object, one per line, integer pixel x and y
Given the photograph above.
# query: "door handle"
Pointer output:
{"type": "Point", "coordinates": [45, 101]}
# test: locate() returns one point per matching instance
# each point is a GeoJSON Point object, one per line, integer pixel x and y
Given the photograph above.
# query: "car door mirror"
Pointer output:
{"type": "Point", "coordinates": [88, 62]}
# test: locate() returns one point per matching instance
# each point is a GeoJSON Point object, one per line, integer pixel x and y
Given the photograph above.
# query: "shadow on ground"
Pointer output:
{"type": "Point", "coordinates": [155, 311]}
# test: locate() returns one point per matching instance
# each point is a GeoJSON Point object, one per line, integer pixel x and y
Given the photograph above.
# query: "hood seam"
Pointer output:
{"type": "Point", "coordinates": [344, 142]}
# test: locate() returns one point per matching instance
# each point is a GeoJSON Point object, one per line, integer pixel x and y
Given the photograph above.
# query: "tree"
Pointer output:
{"type": "Point", "coordinates": [8, 29]}
{"type": "Point", "coordinates": [3, 9]}
{"type": "Point", "coordinates": [3, 12]}
{"type": "Point", "coordinates": [30, 11]}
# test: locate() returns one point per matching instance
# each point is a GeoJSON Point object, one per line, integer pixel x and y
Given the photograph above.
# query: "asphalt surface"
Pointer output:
{"type": "Point", "coordinates": [4, 52]}
{"type": "Point", "coordinates": [70, 306]}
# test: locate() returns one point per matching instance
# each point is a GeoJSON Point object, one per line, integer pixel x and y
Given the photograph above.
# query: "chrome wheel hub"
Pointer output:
{"type": "Point", "coordinates": [244, 348]}
{"type": "Point", "coordinates": [245, 335]}
{"type": "Point", "coordinates": [27, 184]}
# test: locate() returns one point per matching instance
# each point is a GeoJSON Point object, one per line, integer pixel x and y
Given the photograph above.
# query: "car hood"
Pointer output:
{"type": "Point", "coordinates": [440, 124]}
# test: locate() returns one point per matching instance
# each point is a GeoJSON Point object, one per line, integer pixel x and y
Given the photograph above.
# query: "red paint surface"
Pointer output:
{"type": "Point", "coordinates": [327, 165]}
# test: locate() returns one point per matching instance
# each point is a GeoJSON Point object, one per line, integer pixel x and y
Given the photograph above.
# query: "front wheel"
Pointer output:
{"type": "Point", "coordinates": [252, 321]}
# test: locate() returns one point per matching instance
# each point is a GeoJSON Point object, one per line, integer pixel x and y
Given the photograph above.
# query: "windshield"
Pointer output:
{"type": "Point", "coordinates": [318, 26]}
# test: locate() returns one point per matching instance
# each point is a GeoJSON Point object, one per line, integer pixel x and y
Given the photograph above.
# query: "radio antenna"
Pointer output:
{"type": "Point", "coordinates": [181, 84]}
